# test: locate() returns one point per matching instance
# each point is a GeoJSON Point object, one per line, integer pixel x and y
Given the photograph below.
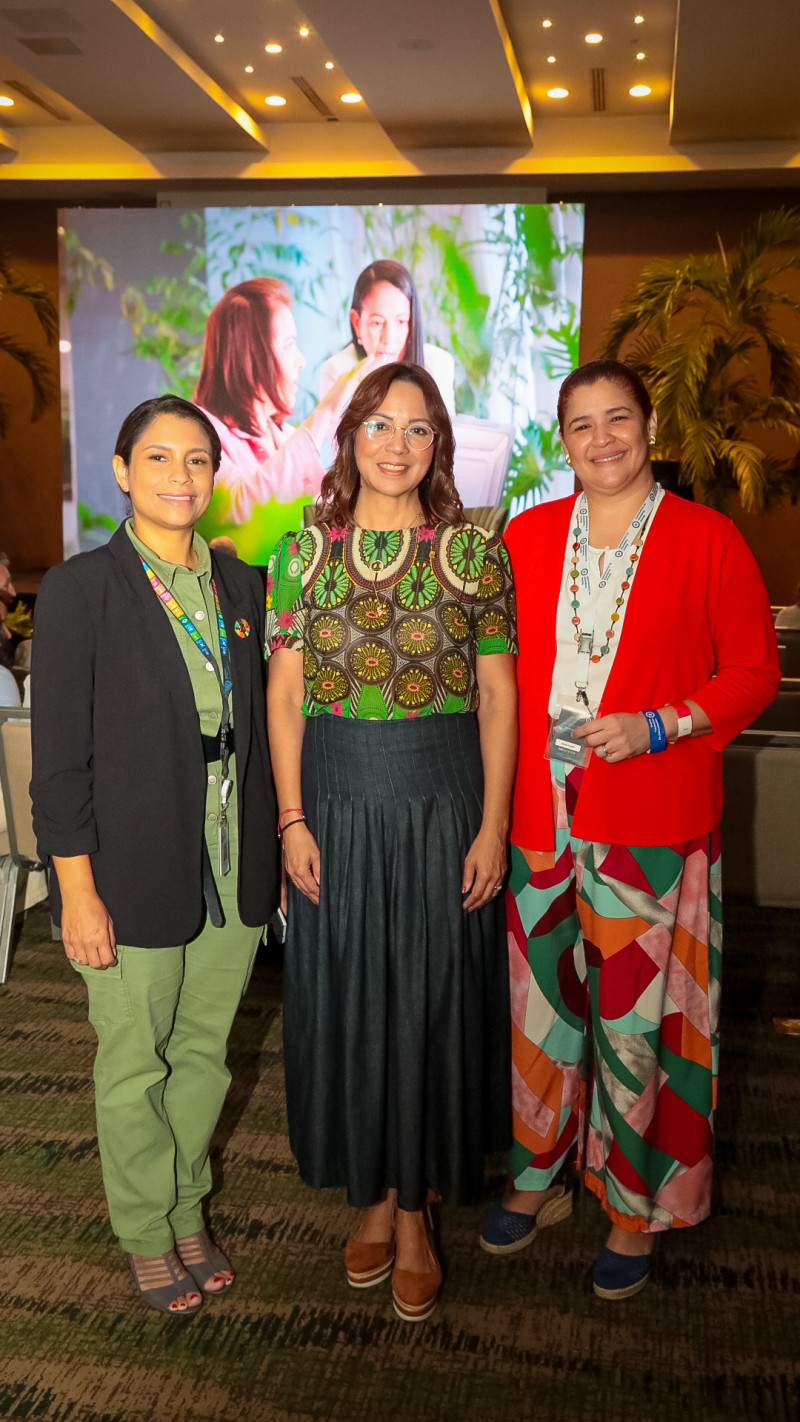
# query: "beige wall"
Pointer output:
{"type": "Point", "coordinates": [30, 455]}
{"type": "Point", "coordinates": [624, 233]}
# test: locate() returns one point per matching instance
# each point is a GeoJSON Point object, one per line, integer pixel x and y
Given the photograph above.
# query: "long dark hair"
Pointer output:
{"type": "Point", "coordinates": [239, 364]}
{"type": "Point", "coordinates": [593, 371]}
{"type": "Point", "coordinates": [139, 419]}
{"type": "Point", "coordinates": [437, 492]}
{"type": "Point", "coordinates": [397, 275]}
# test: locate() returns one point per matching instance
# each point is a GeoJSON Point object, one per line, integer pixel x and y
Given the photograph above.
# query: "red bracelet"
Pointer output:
{"type": "Point", "coordinates": [292, 810]}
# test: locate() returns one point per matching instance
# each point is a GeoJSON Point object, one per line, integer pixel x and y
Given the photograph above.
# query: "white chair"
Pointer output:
{"type": "Point", "coordinates": [17, 845]}
{"type": "Point", "coordinates": [483, 454]}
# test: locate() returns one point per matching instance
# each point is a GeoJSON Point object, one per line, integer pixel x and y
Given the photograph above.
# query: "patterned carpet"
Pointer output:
{"type": "Point", "coordinates": [715, 1336]}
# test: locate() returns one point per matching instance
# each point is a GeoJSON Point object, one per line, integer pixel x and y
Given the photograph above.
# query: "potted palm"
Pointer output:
{"type": "Point", "coordinates": [36, 367]}
{"type": "Point", "coordinates": [704, 336]}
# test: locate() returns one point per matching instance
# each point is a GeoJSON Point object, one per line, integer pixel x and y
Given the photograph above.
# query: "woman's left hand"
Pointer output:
{"type": "Point", "coordinates": [484, 869]}
{"type": "Point", "coordinates": [616, 737]}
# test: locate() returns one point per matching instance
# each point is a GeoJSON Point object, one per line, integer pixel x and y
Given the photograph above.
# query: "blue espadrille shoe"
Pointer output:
{"type": "Point", "coordinates": [506, 1231]}
{"type": "Point", "coordinates": [620, 1276]}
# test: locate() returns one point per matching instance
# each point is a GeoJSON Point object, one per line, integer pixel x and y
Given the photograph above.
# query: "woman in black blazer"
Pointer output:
{"type": "Point", "coordinates": [153, 805]}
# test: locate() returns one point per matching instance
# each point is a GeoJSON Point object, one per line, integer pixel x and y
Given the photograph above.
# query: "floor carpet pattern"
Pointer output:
{"type": "Point", "coordinates": [716, 1335]}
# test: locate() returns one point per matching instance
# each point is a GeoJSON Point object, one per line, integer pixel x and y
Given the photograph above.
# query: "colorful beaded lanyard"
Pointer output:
{"type": "Point", "coordinates": [225, 683]}
{"type": "Point", "coordinates": [632, 537]}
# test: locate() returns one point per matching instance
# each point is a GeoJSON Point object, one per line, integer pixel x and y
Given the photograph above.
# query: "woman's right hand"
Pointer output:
{"type": "Point", "coordinates": [301, 859]}
{"type": "Point", "coordinates": [87, 930]}
{"type": "Point", "coordinates": [325, 416]}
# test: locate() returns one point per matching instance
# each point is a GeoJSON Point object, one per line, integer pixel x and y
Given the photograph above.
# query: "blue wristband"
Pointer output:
{"type": "Point", "coordinates": [658, 735]}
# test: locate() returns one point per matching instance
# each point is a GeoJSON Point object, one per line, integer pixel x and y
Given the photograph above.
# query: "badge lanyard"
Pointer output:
{"type": "Point", "coordinates": [225, 683]}
{"type": "Point", "coordinates": [580, 550]}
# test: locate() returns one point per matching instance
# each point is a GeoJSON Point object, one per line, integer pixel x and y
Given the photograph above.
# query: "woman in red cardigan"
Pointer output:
{"type": "Point", "coordinates": [646, 643]}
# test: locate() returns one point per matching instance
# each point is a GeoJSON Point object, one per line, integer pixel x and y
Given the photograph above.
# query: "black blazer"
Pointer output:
{"type": "Point", "coordinates": [118, 765]}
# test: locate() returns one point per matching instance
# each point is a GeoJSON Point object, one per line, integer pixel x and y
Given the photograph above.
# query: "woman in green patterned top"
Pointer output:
{"type": "Point", "coordinates": [392, 718]}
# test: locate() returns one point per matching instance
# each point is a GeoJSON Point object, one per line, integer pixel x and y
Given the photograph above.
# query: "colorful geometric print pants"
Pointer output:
{"type": "Point", "coordinates": [615, 955]}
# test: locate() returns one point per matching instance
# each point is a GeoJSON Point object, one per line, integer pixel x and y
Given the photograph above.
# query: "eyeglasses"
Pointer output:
{"type": "Point", "coordinates": [417, 436]}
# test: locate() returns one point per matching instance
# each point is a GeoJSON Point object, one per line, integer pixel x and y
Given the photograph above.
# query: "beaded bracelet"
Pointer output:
{"type": "Point", "coordinates": [658, 735]}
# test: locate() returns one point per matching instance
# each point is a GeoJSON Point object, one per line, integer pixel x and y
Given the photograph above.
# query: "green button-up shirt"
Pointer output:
{"type": "Point", "coordinates": [192, 589]}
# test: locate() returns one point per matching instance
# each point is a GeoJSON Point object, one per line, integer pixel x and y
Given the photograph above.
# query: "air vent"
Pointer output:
{"type": "Point", "coordinates": [54, 44]}
{"type": "Point", "coordinates": [599, 90]}
{"type": "Point", "coordinates": [38, 20]}
{"type": "Point", "coordinates": [314, 98]}
{"type": "Point", "coordinates": [28, 93]}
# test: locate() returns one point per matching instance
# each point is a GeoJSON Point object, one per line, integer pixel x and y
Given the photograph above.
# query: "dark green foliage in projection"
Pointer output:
{"type": "Point", "coordinates": [82, 269]}
{"type": "Point", "coordinates": [36, 366]}
{"type": "Point", "coordinates": [703, 334]}
{"type": "Point", "coordinates": [168, 318]}
{"type": "Point", "coordinates": [537, 452]}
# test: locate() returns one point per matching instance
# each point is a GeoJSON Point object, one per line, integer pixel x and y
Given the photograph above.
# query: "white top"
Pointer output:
{"type": "Point", "coordinates": [594, 612]}
{"type": "Point", "coordinates": [438, 363]}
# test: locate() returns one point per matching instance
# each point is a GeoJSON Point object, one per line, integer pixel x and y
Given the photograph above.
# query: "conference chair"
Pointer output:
{"type": "Point", "coordinates": [17, 845]}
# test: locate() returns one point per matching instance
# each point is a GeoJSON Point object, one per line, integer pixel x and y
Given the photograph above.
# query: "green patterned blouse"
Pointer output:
{"type": "Point", "coordinates": [390, 623]}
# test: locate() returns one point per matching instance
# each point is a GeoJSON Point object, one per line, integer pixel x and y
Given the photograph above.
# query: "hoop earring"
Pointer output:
{"type": "Point", "coordinates": [567, 460]}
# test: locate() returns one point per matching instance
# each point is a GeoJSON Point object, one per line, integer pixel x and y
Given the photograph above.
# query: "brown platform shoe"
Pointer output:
{"type": "Point", "coordinates": [414, 1294]}
{"type": "Point", "coordinates": [368, 1264]}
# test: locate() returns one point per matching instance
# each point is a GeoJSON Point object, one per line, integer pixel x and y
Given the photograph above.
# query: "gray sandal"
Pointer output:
{"type": "Point", "coordinates": [203, 1259]}
{"type": "Point", "coordinates": [163, 1296]}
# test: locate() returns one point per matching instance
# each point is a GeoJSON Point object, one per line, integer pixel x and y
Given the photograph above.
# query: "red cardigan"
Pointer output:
{"type": "Point", "coordinates": [697, 627]}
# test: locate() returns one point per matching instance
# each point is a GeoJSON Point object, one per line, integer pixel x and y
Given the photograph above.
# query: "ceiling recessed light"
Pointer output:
{"type": "Point", "coordinates": [219, 39]}
{"type": "Point", "coordinates": [351, 98]}
{"type": "Point", "coordinates": [638, 19]}
{"type": "Point", "coordinates": [248, 69]}
{"type": "Point", "coordinates": [273, 48]}
{"type": "Point", "coordinates": [641, 54]}
{"type": "Point", "coordinates": [6, 102]}
{"type": "Point", "coordinates": [551, 59]}
{"type": "Point", "coordinates": [547, 24]}
{"type": "Point", "coordinates": [275, 101]}
{"type": "Point", "coordinates": [304, 32]}
{"type": "Point", "coordinates": [329, 64]}
{"type": "Point", "coordinates": [640, 91]}
{"type": "Point", "coordinates": [593, 38]}
{"type": "Point", "coordinates": [558, 93]}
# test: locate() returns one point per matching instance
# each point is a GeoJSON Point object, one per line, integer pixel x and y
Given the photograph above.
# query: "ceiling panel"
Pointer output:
{"type": "Point", "coordinates": [736, 68]}
{"type": "Point", "coordinates": [556, 55]}
{"type": "Point", "coordinates": [123, 76]}
{"type": "Point", "coordinates": [246, 30]}
{"type": "Point", "coordinates": [439, 75]}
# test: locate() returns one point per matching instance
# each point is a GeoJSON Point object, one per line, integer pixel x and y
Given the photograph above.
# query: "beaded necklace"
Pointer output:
{"type": "Point", "coordinates": [632, 537]}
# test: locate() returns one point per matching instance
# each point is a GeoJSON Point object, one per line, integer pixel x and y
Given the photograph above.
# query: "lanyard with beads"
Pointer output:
{"type": "Point", "coordinates": [225, 683]}
{"type": "Point", "coordinates": [578, 578]}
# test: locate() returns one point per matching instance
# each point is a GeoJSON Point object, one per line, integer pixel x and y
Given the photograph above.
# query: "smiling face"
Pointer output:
{"type": "Point", "coordinates": [382, 323]}
{"type": "Point", "coordinates": [606, 438]}
{"type": "Point", "coordinates": [392, 469]}
{"type": "Point", "coordinates": [170, 477]}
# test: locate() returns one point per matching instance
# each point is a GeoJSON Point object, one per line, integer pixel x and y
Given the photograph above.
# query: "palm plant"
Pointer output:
{"type": "Point", "coordinates": [703, 336]}
{"type": "Point", "coordinates": [36, 367]}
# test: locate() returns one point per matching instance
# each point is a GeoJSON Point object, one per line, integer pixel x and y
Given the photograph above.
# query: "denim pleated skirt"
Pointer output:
{"type": "Point", "coordinates": [396, 1001]}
